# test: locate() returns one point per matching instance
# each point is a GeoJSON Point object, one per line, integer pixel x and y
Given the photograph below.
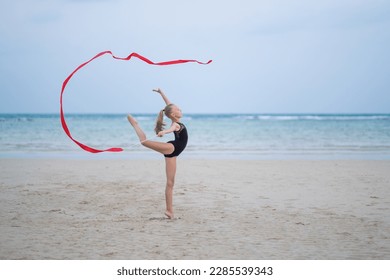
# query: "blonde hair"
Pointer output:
{"type": "Point", "coordinates": [160, 118]}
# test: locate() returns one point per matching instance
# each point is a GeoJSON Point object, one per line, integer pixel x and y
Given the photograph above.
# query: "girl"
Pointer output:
{"type": "Point", "coordinates": [171, 149]}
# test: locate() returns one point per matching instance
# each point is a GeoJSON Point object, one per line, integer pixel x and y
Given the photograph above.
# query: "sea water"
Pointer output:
{"type": "Point", "coordinates": [244, 136]}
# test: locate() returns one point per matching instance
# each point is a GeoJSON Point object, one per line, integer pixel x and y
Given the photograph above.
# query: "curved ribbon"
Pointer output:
{"type": "Point", "coordinates": [63, 122]}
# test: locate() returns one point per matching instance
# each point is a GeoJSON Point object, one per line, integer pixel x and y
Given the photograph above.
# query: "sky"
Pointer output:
{"type": "Point", "coordinates": [269, 56]}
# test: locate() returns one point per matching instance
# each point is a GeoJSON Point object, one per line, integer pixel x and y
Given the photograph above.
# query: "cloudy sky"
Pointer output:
{"type": "Point", "coordinates": [269, 56]}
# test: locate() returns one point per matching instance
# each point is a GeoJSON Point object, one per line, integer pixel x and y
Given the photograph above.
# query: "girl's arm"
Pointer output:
{"type": "Point", "coordinates": [174, 127]}
{"type": "Point", "coordinates": [166, 100]}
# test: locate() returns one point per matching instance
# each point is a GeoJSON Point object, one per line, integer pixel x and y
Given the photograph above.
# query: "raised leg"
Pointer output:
{"type": "Point", "coordinates": [170, 167]}
{"type": "Point", "coordinates": [163, 148]}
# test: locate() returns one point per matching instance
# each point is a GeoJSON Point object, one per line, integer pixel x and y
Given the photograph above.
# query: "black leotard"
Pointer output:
{"type": "Point", "coordinates": [180, 142]}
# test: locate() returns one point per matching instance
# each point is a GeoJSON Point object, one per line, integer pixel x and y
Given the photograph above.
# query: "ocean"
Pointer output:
{"type": "Point", "coordinates": [240, 136]}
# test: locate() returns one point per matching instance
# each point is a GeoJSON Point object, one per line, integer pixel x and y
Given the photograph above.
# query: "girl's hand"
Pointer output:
{"type": "Point", "coordinates": [161, 134]}
{"type": "Point", "coordinates": [166, 100]}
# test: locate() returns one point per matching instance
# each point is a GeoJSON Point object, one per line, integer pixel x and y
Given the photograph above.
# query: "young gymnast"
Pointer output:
{"type": "Point", "coordinates": [171, 149]}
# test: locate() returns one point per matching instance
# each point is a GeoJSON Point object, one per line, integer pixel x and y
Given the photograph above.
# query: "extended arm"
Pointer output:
{"type": "Point", "coordinates": [164, 97]}
{"type": "Point", "coordinates": [174, 127]}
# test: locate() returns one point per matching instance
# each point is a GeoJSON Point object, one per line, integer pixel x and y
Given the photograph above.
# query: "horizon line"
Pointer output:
{"type": "Point", "coordinates": [203, 113]}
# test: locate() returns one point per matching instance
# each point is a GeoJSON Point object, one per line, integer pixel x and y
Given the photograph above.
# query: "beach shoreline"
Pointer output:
{"type": "Point", "coordinates": [225, 209]}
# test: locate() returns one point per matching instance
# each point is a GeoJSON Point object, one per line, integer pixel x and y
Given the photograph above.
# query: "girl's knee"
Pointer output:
{"type": "Point", "coordinates": [170, 183]}
{"type": "Point", "coordinates": [145, 143]}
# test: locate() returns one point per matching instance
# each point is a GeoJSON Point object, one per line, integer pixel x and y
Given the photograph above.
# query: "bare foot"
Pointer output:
{"type": "Point", "coordinates": [169, 215]}
{"type": "Point", "coordinates": [131, 120]}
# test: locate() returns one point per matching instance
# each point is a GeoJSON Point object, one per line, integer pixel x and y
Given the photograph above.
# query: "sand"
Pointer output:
{"type": "Point", "coordinates": [225, 209]}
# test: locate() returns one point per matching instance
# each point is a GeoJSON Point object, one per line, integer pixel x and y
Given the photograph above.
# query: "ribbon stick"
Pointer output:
{"type": "Point", "coordinates": [146, 60]}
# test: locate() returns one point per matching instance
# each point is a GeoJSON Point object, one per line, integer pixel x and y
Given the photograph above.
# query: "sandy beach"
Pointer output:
{"type": "Point", "coordinates": [225, 209]}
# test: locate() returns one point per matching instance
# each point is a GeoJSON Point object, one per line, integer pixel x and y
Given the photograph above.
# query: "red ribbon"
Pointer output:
{"type": "Point", "coordinates": [63, 122]}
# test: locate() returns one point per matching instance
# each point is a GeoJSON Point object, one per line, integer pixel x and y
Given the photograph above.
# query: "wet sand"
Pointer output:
{"type": "Point", "coordinates": [225, 209]}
